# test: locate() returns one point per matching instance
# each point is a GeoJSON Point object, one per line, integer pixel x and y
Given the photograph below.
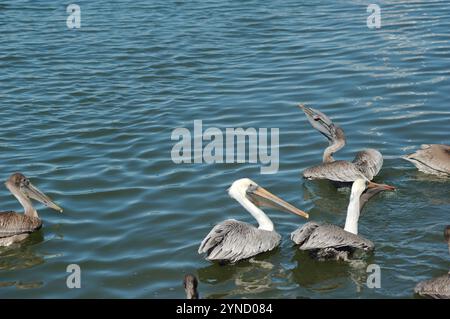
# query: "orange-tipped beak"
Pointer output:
{"type": "Point", "coordinates": [383, 186]}
{"type": "Point", "coordinates": [262, 197]}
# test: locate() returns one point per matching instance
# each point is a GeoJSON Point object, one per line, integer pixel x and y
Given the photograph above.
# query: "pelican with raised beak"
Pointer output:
{"type": "Point", "coordinates": [366, 164]}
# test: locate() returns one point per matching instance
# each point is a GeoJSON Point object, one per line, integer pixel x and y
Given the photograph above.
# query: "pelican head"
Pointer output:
{"type": "Point", "coordinates": [248, 189]}
{"type": "Point", "coordinates": [323, 124]}
{"type": "Point", "coordinates": [190, 284]}
{"type": "Point", "coordinates": [21, 187]}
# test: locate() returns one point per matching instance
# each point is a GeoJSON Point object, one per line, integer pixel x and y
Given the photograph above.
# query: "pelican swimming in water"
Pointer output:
{"type": "Point", "coordinates": [328, 241]}
{"type": "Point", "coordinates": [439, 287]}
{"type": "Point", "coordinates": [366, 164]}
{"type": "Point", "coordinates": [232, 240]}
{"type": "Point", "coordinates": [190, 284]}
{"type": "Point", "coordinates": [15, 227]}
{"type": "Point", "coordinates": [431, 159]}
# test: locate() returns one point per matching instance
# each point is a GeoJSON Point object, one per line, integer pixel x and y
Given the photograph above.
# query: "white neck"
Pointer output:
{"type": "Point", "coordinates": [263, 220]}
{"type": "Point", "coordinates": [351, 223]}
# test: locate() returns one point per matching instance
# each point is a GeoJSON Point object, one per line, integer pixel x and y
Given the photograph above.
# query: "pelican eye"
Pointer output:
{"type": "Point", "coordinates": [252, 188]}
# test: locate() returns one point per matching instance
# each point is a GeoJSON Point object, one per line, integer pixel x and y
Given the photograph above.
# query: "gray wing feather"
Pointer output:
{"type": "Point", "coordinates": [233, 240]}
{"type": "Point", "coordinates": [339, 171]}
{"type": "Point", "coordinates": [438, 288]}
{"type": "Point", "coordinates": [301, 234]}
{"type": "Point", "coordinates": [12, 223]}
{"type": "Point", "coordinates": [326, 236]}
{"type": "Point", "coordinates": [369, 162]}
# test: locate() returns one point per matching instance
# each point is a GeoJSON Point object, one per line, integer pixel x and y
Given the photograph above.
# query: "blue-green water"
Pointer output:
{"type": "Point", "coordinates": [88, 114]}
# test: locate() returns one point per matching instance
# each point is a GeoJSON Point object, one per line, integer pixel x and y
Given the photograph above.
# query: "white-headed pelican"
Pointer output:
{"type": "Point", "coordinates": [232, 240]}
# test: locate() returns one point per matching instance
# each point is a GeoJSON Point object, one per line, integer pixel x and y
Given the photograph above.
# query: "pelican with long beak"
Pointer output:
{"type": "Point", "coordinates": [232, 240]}
{"type": "Point", "coordinates": [439, 287]}
{"type": "Point", "coordinates": [366, 164]}
{"type": "Point", "coordinates": [328, 241]}
{"type": "Point", "coordinates": [16, 227]}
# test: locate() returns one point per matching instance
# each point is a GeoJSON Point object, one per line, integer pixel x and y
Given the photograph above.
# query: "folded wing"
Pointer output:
{"type": "Point", "coordinates": [12, 224]}
{"type": "Point", "coordinates": [233, 240]}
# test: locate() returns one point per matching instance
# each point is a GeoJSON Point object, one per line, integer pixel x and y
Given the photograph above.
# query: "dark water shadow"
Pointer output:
{"type": "Point", "coordinates": [246, 277]}
{"type": "Point", "coordinates": [21, 255]}
{"type": "Point", "coordinates": [326, 276]}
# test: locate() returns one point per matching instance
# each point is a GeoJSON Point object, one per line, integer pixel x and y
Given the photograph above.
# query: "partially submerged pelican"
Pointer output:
{"type": "Point", "coordinates": [431, 159]}
{"type": "Point", "coordinates": [190, 284]}
{"type": "Point", "coordinates": [328, 241]}
{"type": "Point", "coordinates": [15, 227]}
{"type": "Point", "coordinates": [232, 240]}
{"type": "Point", "coordinates": [438, 287]}
{"type": "Point", "coordinates": [366, 164]}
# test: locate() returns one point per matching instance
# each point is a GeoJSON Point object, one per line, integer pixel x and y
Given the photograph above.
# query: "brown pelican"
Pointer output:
{"type": "Point", "coordinates": [366, 164]}
{"type": "Point", "coordinates": [15, 227]}
{"type": "Point", "coordinates": [190, 284]}
{"type": "Point", "coordinates": [232, 240]}
{"type": "Point", "coordinates": [438, 288]}
{"type": "Point", "coordinates": [431, 159]}
{"type": "Point", "coordinates": [328, 241]}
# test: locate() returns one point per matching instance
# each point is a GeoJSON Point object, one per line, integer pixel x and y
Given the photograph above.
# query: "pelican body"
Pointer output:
{"type": "Point", "coordinates": [15, 227]}
{"type": "Point", "coordinates": [232, 240]}
{"type": "Point", "coordinates": [366, 164]}
{"type": "Point", "coordinates": [327, 241]}
{"type": "Point", "coordinates": [431, 159]}
{"type": "Point", "coordinates": [438, 288]}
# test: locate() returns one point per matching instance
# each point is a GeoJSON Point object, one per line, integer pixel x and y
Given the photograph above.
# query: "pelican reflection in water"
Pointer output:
{"type": "Point", "coordinates": [232, 240]}
{"type": "Point", "coordinates": [366, 164]}
{"type": "Point", "coordinates": [438, 287]}
{"type": "Point", "coordinates": [327, 241]}
{"type": "Point", "coordinates": [15, 227]}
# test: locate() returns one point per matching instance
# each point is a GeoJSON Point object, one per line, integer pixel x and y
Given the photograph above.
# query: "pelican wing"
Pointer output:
{"type": "Point", "coordinates": [233, 240]}
{"type": "Point", "coordinates": [438, 288]}
{"type": "Point", "coordinates": [369, 162]}
{"type": "Point", "coordinates": [331, 236]}
{"type": "Point", "coordinates": [302, 234]}
{"type": "Point", "coordinates": [12, 223]}
{"type": "Point", "coordinates": [338, 171]}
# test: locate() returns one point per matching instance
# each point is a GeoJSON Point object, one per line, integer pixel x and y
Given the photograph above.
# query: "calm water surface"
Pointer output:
{"type": "Point", "coordinates": [87, 114]}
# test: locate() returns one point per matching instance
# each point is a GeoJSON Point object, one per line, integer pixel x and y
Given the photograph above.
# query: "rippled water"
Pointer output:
{"type": "Point", "coordinates": [87, 114]}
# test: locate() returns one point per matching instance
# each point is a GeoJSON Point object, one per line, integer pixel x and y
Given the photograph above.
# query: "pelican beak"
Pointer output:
{"type": "Point", "coordinates": [262, 197]}
{"type": "Point", "coordinates": [33, 192]}
{"type": "Point", "coordinates": [382, 186]}
{"type": "Point", "coordinates": [319, 121]}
